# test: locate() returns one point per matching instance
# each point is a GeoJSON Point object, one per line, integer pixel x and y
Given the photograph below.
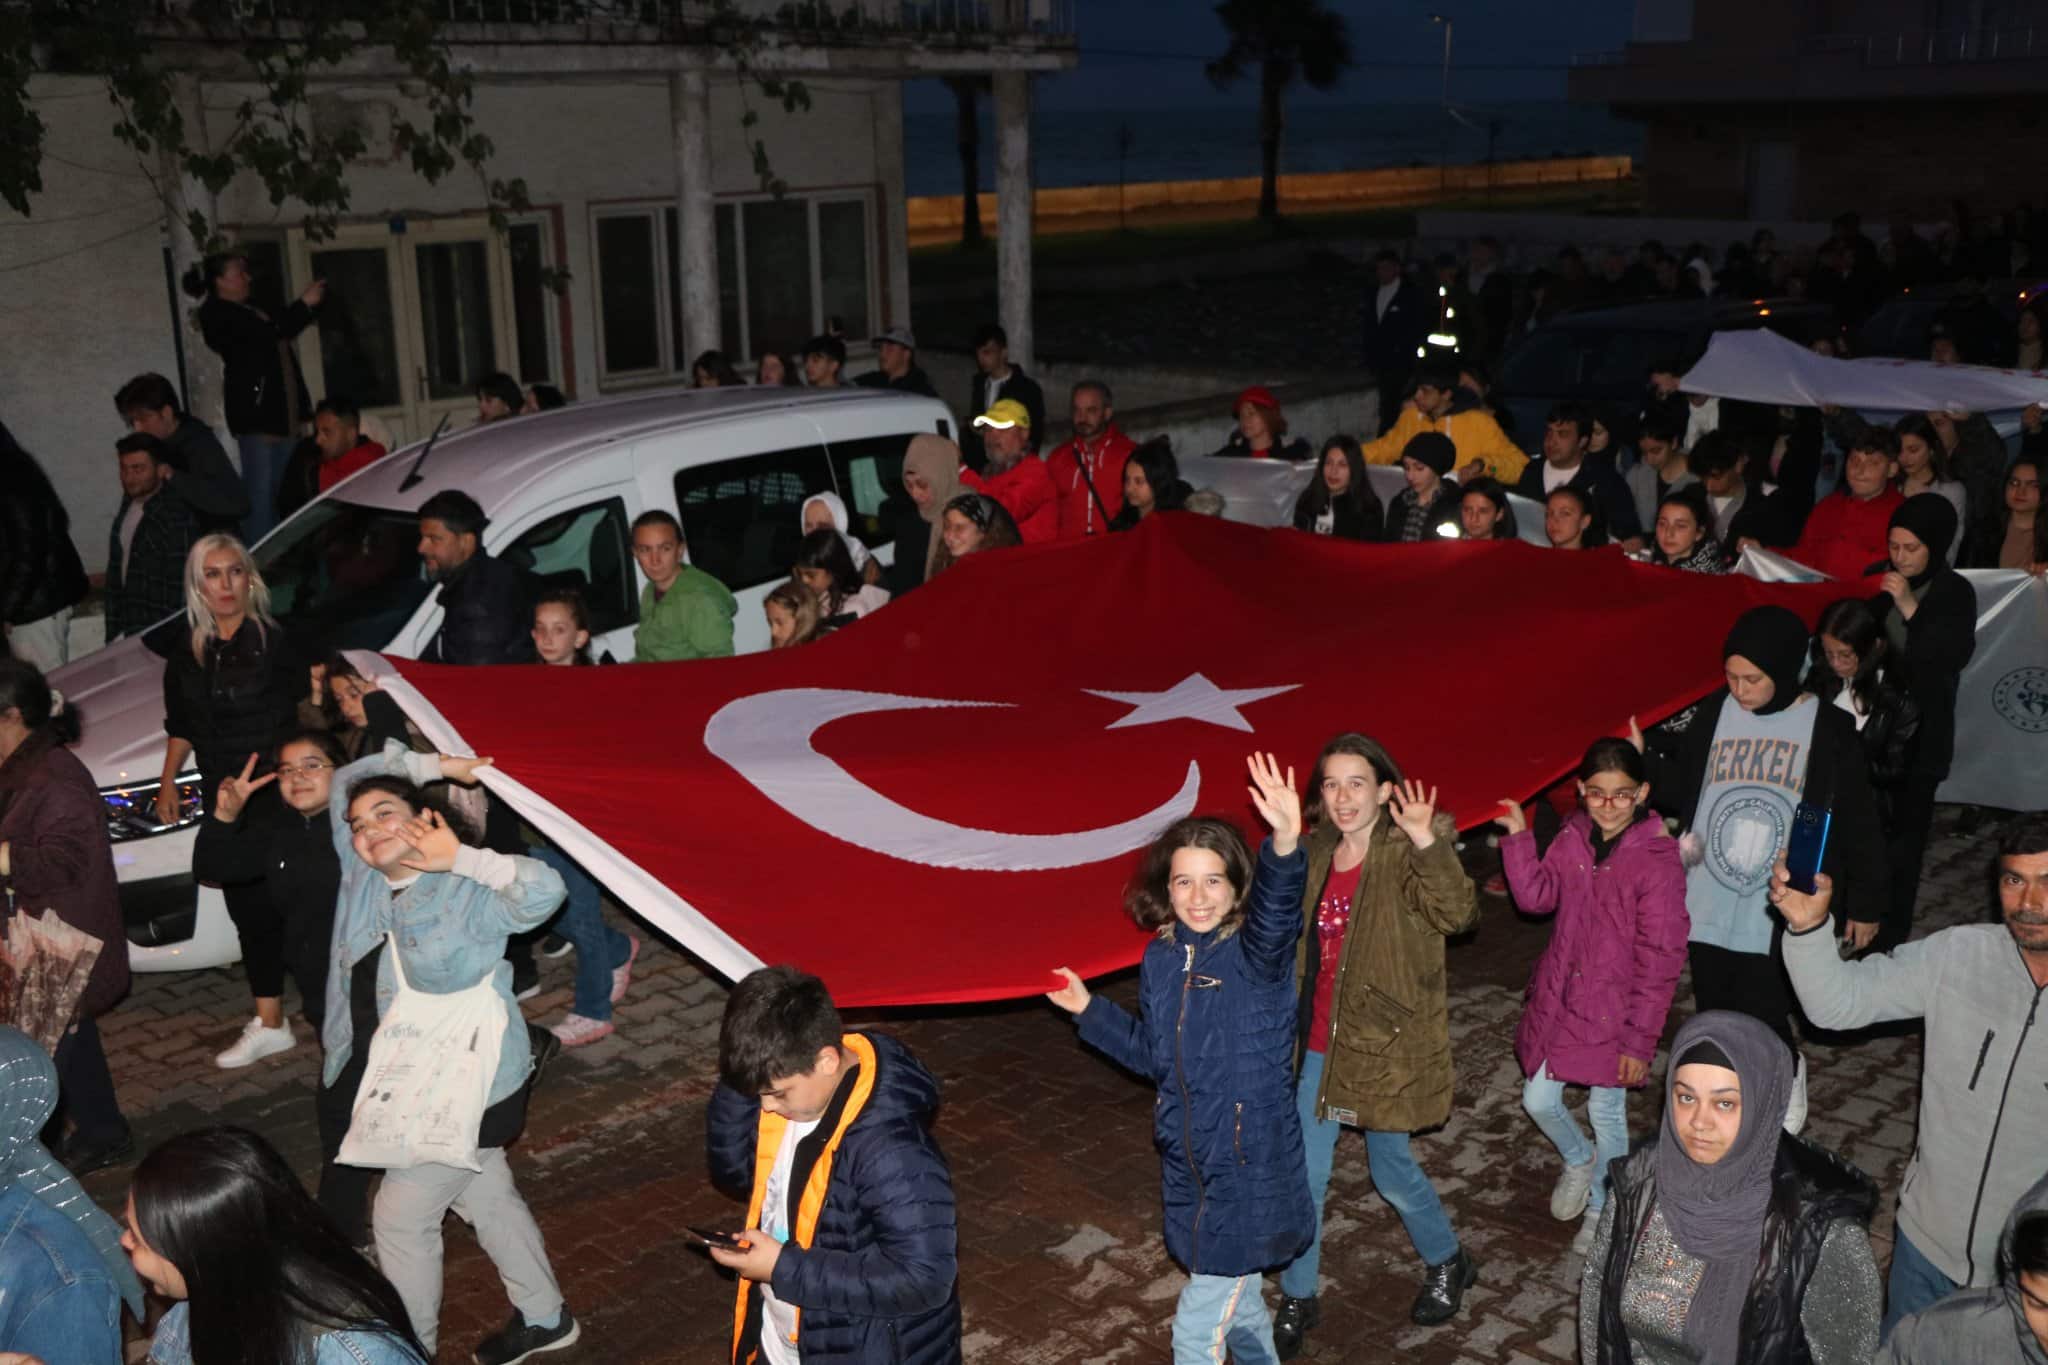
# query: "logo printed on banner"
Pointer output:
{"type": "Point", "coordinates": [2021, 700]}
{"type": "Point", "coordinates": [767, 738]}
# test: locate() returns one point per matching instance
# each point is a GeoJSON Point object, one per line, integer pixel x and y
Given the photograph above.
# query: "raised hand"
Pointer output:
{"type": "Point", "coordinates": [318, 672]}
{"type": "Point", "coordinates": [1510, 816]}
{"type": "Point", "coordinates": [1413, 807]}
{"type": "Point", "coordinates": [234, 793]}
{"type": "Point", "coordinates": [1635, 734]}
{"type": "Point", "coordinates": [434, 845]}
{"type": "Point", "coordinates": [1801, 911]}
{"type": "Point", "coordinates": [458, 769]}
{"type": "Point", "coordinates": [1278, 803]}
{"type": "Point", "coordinates": [1072, 997]}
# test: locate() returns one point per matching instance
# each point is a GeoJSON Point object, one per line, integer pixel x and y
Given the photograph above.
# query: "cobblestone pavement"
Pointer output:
{"type": "Point", "coordinates": [1061, 1259]}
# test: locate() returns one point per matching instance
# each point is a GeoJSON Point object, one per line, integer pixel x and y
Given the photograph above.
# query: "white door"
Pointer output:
{"type": "Point", "coordinates": [411, 320]}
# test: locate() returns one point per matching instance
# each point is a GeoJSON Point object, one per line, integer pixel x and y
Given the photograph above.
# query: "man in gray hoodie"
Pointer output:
{"type": "Point", "coordinates": [1984, 1077]}
{"type": "Point", "coordinates": [2004, 1325]}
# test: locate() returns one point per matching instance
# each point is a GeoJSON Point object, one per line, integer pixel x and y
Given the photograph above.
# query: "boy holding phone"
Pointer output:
{"type": "Point", "coordinates": [850, 1249]}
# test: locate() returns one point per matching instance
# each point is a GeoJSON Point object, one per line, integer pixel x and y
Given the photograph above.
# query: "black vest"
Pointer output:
{"type": "Point", "coordinates": [1811, 1189]}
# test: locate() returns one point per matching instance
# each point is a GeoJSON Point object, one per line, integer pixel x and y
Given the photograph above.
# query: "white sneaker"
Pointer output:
{"type": "Point", "coordinates": [1795, 1111]}
{"type": "Point", "coordinates": [256, 1043]}
{"type": "Point", "coordinates": [622, 975]}
{"type": "Point", "coordinates": [1582, 1241]}
{"type": "Point", "coordinates": [575, 1030]}
{"type": "Point", "coordinates": [1574, 1187]}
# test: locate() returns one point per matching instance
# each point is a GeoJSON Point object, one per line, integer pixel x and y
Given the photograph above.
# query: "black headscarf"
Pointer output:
{"type": "Point", "coordinates": [1775, 640]}
{"type": "Point", "coordinates": [1717, 1212]}
{"type": "Point", "coordinates": [1932, 520]}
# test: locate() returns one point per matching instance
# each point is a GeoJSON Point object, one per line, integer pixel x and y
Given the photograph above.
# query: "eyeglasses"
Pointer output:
{"type": "Point", "coordinates": [1623, 798]}
{"type": "Point", "coordinates": [308, 766]}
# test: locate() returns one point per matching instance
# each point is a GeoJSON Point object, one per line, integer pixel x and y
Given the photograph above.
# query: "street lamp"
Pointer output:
{"type": "Point", "coordinates": [1443, 161]}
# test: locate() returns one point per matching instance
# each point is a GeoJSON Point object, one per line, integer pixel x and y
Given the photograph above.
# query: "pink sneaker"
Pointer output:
{"type": "Point", "coordinates": [622, 975]}
{"type": "Point", "coordinates": [575, 1030]}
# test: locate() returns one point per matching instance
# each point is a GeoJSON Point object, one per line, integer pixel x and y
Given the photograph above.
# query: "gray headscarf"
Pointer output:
{"type": "Point", "coordinates": [28, 1096]}
{"type": "Point", "coordinates": [1717, 1212]}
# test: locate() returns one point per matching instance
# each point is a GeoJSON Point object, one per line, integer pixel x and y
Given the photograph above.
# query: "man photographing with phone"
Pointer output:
{"type": "Point", "coordinates": [1984, 1082]}
{"type": "Point", "coordinates": [850, 1252]}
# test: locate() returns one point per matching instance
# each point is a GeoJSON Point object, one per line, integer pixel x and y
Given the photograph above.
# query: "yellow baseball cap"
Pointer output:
{"type": "Point", "coordinates": [1003, 414]}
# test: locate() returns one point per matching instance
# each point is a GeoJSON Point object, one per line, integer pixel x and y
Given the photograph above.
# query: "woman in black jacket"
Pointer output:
{"type": "Point", "coordinates": [1340, 501]}
{"type": "Point", "coordinates": [1849, 653]}
{"type": "Point", "coordinates": [231, 690]}
{"type": "Point", "coordinates": [41, 578]}
{"type": "Point", "coordinates": [1728, 1240]}
{"type": "Point", "coordinates": [267, 403]}
{"type": "Point", "coordinates": [1929, 614]}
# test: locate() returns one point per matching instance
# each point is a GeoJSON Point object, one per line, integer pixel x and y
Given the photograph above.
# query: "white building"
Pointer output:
{"type": "Point", "coordinates": [643, 185]}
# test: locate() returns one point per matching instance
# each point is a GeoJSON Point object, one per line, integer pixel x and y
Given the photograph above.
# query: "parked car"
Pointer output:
{"type": "Point", "coordinates": [1605, 354]}
{"type": "Point", "coordinates": [561, 489]}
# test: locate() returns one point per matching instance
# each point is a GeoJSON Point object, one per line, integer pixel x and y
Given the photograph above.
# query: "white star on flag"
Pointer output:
{"type": "Point", "coordinates": [1192, 698]}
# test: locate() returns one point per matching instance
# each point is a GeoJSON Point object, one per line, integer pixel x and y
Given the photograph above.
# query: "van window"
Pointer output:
{"type": "Point", "coordinates": [740, 517]}
{"type": "Point", "coordinates": [343, 576]}
{"type": "Point", "coordinates": [869, 471]}
{"type": "Point", "coordinates": [589, 549]}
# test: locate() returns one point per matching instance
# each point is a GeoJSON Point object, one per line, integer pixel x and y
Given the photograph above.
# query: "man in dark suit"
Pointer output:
{"type": "Point", "coordinates": [1397, 318]}
{"type": "Point", "coordinates": [1493, 292]}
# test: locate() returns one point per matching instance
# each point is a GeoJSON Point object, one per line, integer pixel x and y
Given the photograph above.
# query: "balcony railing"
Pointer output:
{"type": "Point", "coordinates": [1934, 47]}
{"type": "Point", "coordinates": [612, 20]}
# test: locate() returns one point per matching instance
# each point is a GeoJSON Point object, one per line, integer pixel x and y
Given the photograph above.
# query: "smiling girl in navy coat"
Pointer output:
{"type": "Point", "coordinates": [1215, 1033]}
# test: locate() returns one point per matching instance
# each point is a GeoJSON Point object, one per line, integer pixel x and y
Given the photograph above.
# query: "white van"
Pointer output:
{"type": "Point", "coordinates": [561, 490]}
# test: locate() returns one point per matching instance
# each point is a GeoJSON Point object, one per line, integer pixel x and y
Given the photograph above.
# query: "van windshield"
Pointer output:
{"type": "Point", "coordinates": [344, 576]}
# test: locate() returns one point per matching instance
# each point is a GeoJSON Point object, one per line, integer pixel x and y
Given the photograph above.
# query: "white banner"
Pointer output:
{"type": "Point", "coordinates": [1263, 492]}
{"type": "Point", "coordinates": [1763, 367]}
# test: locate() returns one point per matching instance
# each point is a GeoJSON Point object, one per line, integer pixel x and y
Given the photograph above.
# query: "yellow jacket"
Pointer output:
{"type": "Point", "coordinates": [1473, 431]}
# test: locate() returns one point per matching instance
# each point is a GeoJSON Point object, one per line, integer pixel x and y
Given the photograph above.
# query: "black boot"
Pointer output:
{"type": "Point", "coordinates": [1443, 1289]}
{"type": "Point", "coordinates": [1292, 1322]}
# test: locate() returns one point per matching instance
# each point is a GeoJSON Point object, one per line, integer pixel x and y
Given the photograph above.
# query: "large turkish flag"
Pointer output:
{"type": "Point", "coordinates": [942, 802]}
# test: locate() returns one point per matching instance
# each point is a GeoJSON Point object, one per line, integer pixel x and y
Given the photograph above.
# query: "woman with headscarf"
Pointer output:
{"type": "Point", "coordinates": [1929, 612]}
{"type": "Point", "coordinates": [829, 509]}
{"type": "Point", "coordinates": [1758, 748]}
{"type": "Point", "coordinates": [1728, 1241]}
{"type": "Point", "coordinates": [61, 1266]}
{"type": "Point", "coordinates": [55, 855]}
{"type": "Point", "coordinates": [931, 476]}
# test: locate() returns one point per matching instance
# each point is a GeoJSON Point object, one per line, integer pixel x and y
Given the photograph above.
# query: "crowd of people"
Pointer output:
{"type": "Point", "coordinates": [369, 869]}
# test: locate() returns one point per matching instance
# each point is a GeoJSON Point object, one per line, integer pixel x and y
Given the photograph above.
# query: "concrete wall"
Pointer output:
{"type": "Point", "coordinates": [86, 303]}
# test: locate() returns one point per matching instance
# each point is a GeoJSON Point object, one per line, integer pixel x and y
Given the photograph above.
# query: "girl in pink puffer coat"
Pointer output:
{"type": "Point", "coordinates": [1600, 993]}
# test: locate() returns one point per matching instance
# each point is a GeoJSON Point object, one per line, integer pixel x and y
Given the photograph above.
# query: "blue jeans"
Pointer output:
{"type": "Point", "coordinates": [1914, 1284]}
{"type": "Point", "coordinates": [1394, 1174]}
{"type": "Point", "coordinates": [599, 947]}
{"type": "Point", "coordinates": [1223, 1317]}
{"type": "Point", "coordinates": [1606, 1107]}
{"type": "Point", "coordinates": [263, 461]}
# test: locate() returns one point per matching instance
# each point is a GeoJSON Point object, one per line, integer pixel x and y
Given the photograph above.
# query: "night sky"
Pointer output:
{"type": "Point", "coordinates": [1149, 53]}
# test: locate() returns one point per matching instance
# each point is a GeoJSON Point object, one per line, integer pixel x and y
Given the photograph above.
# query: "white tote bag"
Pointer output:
{"type": "Point", "coordinates": [428, 1080]}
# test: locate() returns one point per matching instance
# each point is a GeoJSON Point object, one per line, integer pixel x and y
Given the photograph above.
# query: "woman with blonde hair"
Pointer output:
{"type": "Point", "coordinates": [228, 698]}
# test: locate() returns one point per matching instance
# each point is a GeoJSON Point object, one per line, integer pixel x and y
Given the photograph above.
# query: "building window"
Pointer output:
{"type": "Point", "coordinates": [535, 320]}
{"type": "Point", "coordinates": [785, 267]}
{"type": "Point", "coordinates": [629, 295]}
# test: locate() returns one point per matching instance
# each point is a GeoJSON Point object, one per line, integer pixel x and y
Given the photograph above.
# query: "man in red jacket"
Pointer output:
{"type": "Point", "coordinates": [337, 431]}
{"type": "Point", "coordinates": [1013, 476]}
{"type": "Point", "coordinates": [1846, 533]}
{"type": "Point", "coordinates": [1088, 471]}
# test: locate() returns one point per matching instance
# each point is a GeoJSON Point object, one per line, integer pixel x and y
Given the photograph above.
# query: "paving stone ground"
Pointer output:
{"type": "Point", "coordinates": [1061, 1259]}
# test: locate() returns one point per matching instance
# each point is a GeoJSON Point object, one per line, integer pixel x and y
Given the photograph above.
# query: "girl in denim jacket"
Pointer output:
{"type": "Point", "coordinates": [1215, 1033]}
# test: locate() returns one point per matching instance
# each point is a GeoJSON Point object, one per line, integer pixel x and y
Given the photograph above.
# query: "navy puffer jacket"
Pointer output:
{"type": "Point", "coordinates": [878, 1284]}
{"type": "Point", "coordinates": [1216, 1035]}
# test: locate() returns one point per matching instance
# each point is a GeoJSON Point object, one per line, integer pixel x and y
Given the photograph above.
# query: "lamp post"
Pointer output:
{"type": "Point", "coordinates": [1443, 161]}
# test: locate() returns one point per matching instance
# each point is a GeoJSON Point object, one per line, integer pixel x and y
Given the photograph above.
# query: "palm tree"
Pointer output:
{"type": "Point", "coordinates": [1283, 41]}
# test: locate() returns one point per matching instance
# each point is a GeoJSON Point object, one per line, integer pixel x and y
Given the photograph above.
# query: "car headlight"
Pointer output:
{"type": "Point", "coordinates": [131, 808]}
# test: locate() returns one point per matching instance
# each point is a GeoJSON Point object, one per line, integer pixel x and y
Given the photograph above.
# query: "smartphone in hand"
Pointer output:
{"type": "Point", "coordinates": [709, 1237]}
{"type": "Point", "coordinates": [1807, 845]}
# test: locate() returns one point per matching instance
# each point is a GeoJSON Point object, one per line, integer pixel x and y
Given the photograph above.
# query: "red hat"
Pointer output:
{"type": "Point", "coordinates": [1259, 396]}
